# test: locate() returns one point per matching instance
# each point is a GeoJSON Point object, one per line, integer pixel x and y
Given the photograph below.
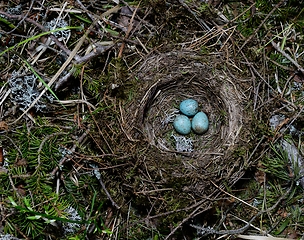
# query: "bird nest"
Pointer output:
{"type": "Point", "coordinates": [166, 80]}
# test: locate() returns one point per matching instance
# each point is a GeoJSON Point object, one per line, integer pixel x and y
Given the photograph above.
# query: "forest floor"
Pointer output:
{"type": "Point", "coordinates": [88, 94]}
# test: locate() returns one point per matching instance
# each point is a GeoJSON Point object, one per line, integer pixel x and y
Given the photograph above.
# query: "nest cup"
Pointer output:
{"type": "Point", "coordinates": [166, 80]}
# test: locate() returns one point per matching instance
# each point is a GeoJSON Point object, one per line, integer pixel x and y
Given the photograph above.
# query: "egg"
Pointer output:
{"type": "Point", "coordinates": [182, 124]}
{"type": "Point", "coordinates": [200, 123]}
{"type": "Point", "coordinates": [189, 107]}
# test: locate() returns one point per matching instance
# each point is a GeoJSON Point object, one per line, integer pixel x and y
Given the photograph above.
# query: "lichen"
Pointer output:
{"type": "Point", "coordinates": [70, 228]}
{"type": "Point", "coordinates": [24, 91]}
{"type": "Point", "coordinates": [8, 237]}
{"type": "Point", "coordinates": [183, 144]}
{"type": "Point", "coordinates": [61, 35]}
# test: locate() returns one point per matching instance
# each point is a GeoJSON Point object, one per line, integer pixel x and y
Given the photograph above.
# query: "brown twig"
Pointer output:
{"type": "Point", "coordinates": [154, 191]}
{"type": "Point", "coordinates": [65, 159]}
{"type": "Point", "coordinates": [63, 80]}
{"type": "Point", "coordinates": [97, 51]}
{"type": "Point", "coordinates": [21, 21]}
{"type": "Point", "coordinates": [85, 9]}
{"type": "Point", "coordinates": [108, 194]}
{"type": "Point", "coordinates": [86, 58]}
{"type": "Point", "coordinates": [233, 196]}
{"type": "Point", "coordinates": [100, 132]}
{"type": "Point", "coordinates": [128, 31]}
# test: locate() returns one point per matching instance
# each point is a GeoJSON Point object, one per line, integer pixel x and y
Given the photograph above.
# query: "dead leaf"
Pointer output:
{"type": "Point", "coordinates": [293, 235]}
{"type": "Point", "coordinates": [21, 190]}
{"type": "Point", "coordinates": [3, 126]}
{"type": "Point", "coordinates": [126, 15]}
{"type": "Point", "coordinates": [21, 162]}
{"type": "Point", "coordinates": [298, 77]}
{"type": "Point", "coordinates": [260, 175]}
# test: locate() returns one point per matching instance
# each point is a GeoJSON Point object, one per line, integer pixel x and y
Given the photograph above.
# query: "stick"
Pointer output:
{"type": "Point", "coordinates": [242, 201]}
{"type": "Point", "coordinates": [63, 160]}
{"type": "Point", "coordinates": [128, 31]}
{"type": "Point", "coordinates": [294, 62]}
{"type": "Point", "coordinates": [108, 194]}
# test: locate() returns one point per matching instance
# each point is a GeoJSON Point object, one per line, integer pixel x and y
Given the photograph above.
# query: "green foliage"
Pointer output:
{"type": "Point", "coordinates": [32, 218]}
{"type": "Point", "coordinates": [277, 164]}
{"type": "Point", "coordinates": [281, 181]}
{"type": "Point", "coordinates": [29, 189]}
{"type": "Point", "coordinates": [8, 23]}
{"type": "Point", "coordinates": [27, 40]}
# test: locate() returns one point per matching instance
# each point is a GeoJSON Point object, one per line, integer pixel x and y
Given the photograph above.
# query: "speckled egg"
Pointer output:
{"type": "Point", "coordinates": [200, 123]}
{"type": "Point", "coordinates": [182, 124]}
{"type": "Point", "coordinates": [189, 107]}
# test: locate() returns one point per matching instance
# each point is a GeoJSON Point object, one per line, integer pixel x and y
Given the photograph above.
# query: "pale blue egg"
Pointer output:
{"type": "Point", "coordinates": [189, 107]}
{"type": "Point", "coordinates": [200, 123]}
{"type": "Point", "coordinates": [182, 124]}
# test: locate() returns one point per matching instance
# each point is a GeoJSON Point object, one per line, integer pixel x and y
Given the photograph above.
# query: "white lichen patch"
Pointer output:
{"type": "Point", "coordinates": [17, 10]}
{"type": "Point", "coordinates": [24, 91]}
{"type": "Point", "coordinates": [183, 144]}
{"type": "Point", "coordinates": [68, 227]}
{"type": "Point", "coordinates": [169, 117]}
{"type": "Point", "coordinates": [8, 237]}
{"type": "Point", "coordinates": [59, 23]}
{"type": "Point", "coordinates": [95, 171]}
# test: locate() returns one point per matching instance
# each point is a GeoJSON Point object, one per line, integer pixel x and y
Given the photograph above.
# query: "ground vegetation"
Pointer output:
{"type": "Point", "coordinates": [88, 93]}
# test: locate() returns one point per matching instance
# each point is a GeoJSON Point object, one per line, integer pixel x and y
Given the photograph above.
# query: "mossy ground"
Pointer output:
{"type": "Point", "coordinates": [78, 153]}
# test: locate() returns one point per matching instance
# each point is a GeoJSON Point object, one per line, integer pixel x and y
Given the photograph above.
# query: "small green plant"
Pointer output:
{"type": "Point", "coordinates": [277, 164]}
{"type": "Point", "coordinates": [37, 202]}
{"type": "Point", "coordinates": [36, 37]}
